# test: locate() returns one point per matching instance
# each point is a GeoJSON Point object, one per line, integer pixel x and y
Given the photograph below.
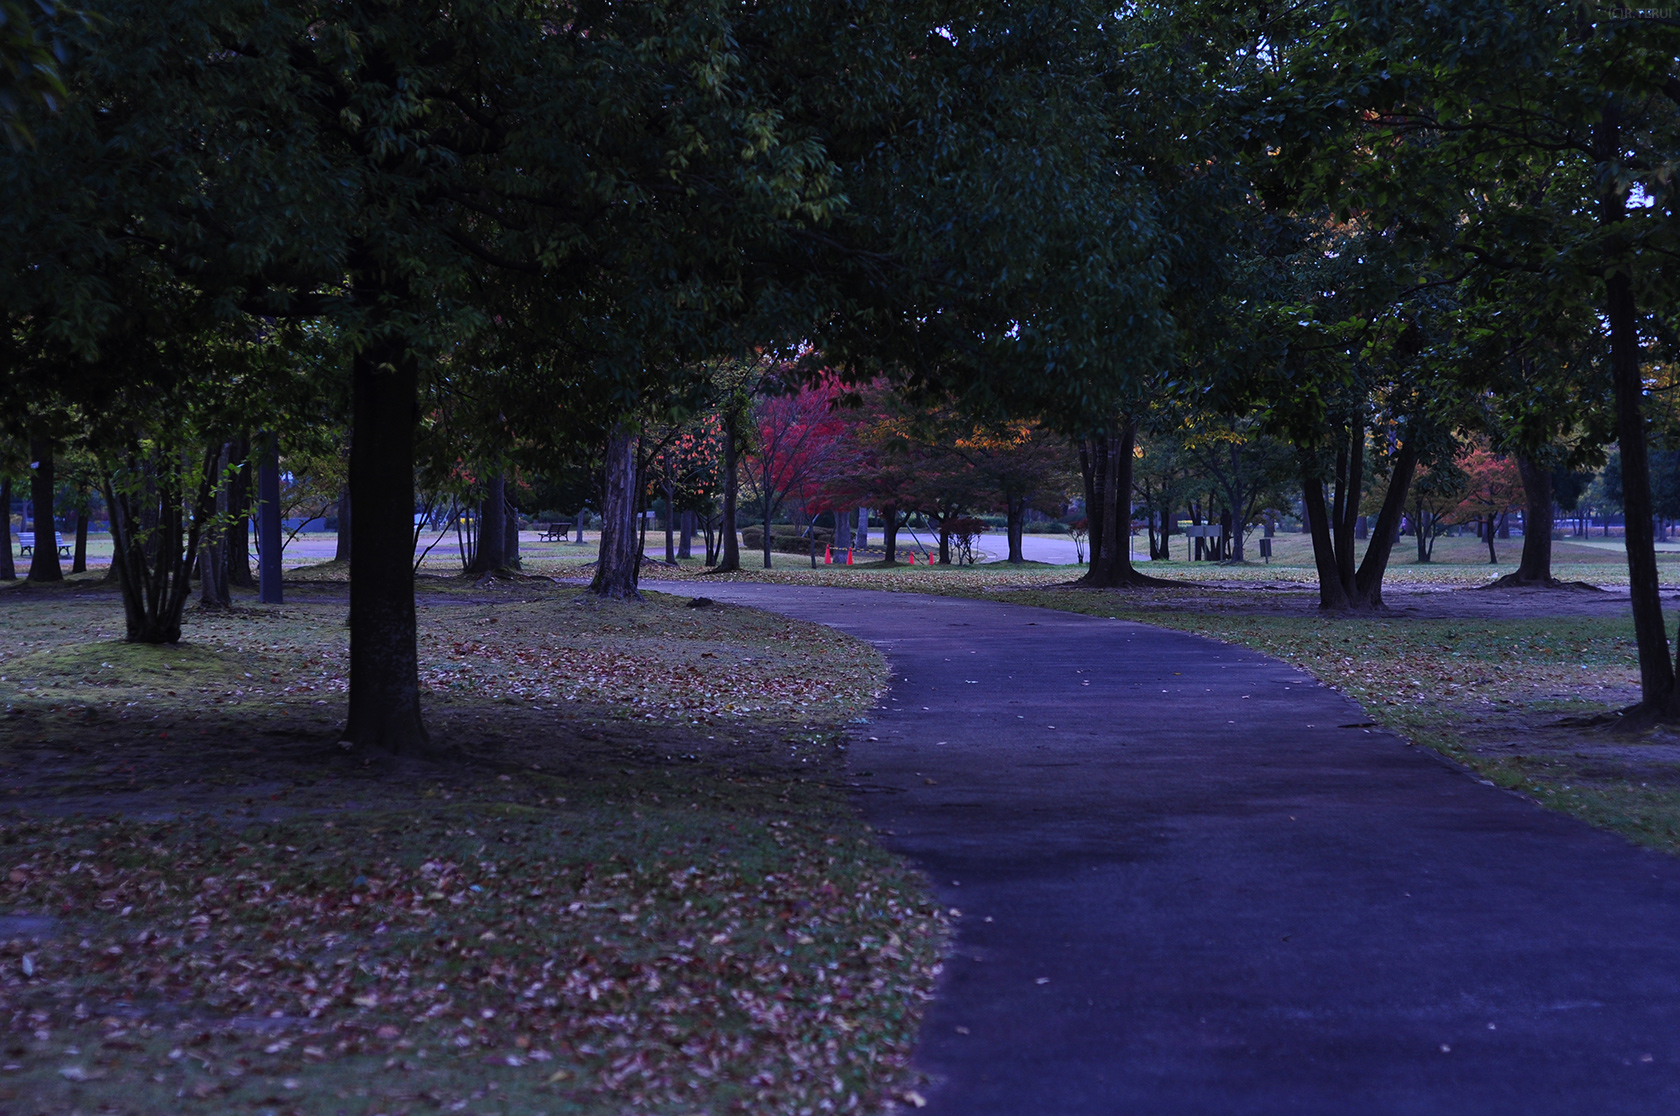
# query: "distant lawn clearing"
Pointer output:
{"type": "Point", "coordinates": [642, 889]}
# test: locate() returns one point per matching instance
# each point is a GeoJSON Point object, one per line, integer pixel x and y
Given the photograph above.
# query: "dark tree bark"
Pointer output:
{"type": "Point", "coordinates": [384, 663]}
{"type": "Point", "coordinates": [342, 552]}
{"type": "Point", "coordinates": [685, 540]}
{"type": "Point", "coordinates": [153, 546]}
{"type": "Point", "coordinates": [861, 541]}
{"type": "Point", "coordinates": [1535, 566]}
{"type": "Point", "coordinates": [1111, 566]}
{"type": "Point", "coordinates": [491, 554]}
{"type": "Point", "coordinates": [43, 563]}
{"type": "Point", "coordinates": [1656, 664]}
{"type": "Point", "coordinates": [510, 545]}
{"type": "Point", "coordinates": [1487, 536]}
{"type": "Point", "coordinates": [239, 507]}
{"type": "Point", "coordinates": [843, 529]}
{"type": "Point", "coordinates": [212, 559]}
{"type": "Point", "coordinates": [8, 567]}
{"type": "Point", "coordinates": [670, 523]}
{"type": "Point", "coordinates": [78, 556]}
{"type": "Point", "coordinates": [1093, 465]}
{"type": "Point", "coordinates": [889, 532]}
{"type": "Point", "coordinates": [1015, 508]}
{"type": "Point", "coordinates": [618, 568]}
{"type": "Point", "coordinates": [1340, 586]}
{"type": "Point", "coordinates": [729, 533]}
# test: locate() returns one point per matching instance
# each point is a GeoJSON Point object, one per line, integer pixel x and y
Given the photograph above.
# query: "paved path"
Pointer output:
{"type": "Point", "coordinates": [1191, 883]}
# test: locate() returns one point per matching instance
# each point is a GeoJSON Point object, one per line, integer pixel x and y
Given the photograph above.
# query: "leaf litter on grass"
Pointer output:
{"type": "Point", "coordinates": [718, 935]}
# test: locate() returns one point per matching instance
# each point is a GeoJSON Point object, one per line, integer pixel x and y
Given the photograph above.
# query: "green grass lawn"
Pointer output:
{"type": "Point", "coordinates": [642, 888]}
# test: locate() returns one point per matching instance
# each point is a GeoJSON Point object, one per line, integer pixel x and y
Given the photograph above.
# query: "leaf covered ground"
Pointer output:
{"type": "Point", "coordinates": [640, 888]}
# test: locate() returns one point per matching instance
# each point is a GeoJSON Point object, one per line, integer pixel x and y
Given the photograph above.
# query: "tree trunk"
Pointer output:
{"type": "Point", "coordinates": [889, 532]}
{"type": "Point", "coordinates": [43, 564]}
{"type": "Point", "coordinates": [862, 540]}
{"type": "Point", "coordinates": [843, 529]}
{"type": "Point", "coordinates": [78, 560]}
{"type": "Point", "coordinates": [1015, 507]}
{"type": "Point", "coordinates": [729, 531]}
{"type": "Point", "coordinates": [1112, 568]}
{"type": "Point", "coordinates": [8, 567]}
{"type": "Point", "coordinates": [617, 571]}
{"type": "Point", "coordinates": [342, 552]}
{"type": "Point", "coordinates": [1535, 566]}
{"type": "Point", "coordinates": [239, 508]}
{"type": "Point", "coordinates": [152, 548]}
{"type": "Point", "coordinates": [944, 541]}
{"type": "Point", "coordinates": [1349, 485]}
{"type": "Point", "coordinates": [491, 554]}
{"type": "Point", "coordinates": [1332, 591]}
{"type": "Point", "coordinates": [1656, 664]}
{"type": "Point", "coordinates": [1093, 461]}
{"type": "Point", "coordinates": [766, 517]}
{"type": "Point", "coordinates": [1367, 583]}
{"type": "Point", "coordinates": [212, 560]}
{"type": "Point", "coordinates": [670, 524]}
{"type": "Point", "coordinates": [1493, 558]}
{"type": "Point", "coordinates": [510, 527]}
{"type": "Point", "coordinates": [384, 662]}
{"type": "Point", "coordinates": [685, 541]}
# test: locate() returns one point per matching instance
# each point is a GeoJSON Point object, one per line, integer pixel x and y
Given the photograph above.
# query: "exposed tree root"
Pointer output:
{"type": "Point", "coordinates": [1513, 581]}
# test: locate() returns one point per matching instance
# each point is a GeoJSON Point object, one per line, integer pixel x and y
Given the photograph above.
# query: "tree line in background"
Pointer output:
{"type": "Point", "coordinates": [930, 256]}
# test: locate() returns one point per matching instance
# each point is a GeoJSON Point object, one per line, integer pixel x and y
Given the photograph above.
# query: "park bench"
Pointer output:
{"type": "Point", "coordinates": [555, 532]}
{"type": "Point", "coordinates": [26, 544]}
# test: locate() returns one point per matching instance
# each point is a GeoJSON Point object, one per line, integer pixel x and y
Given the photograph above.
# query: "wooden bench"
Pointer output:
{"type": "Point", "coordinates": [26, 544]}
{"type": "Point", "coordinates": [555, 532]}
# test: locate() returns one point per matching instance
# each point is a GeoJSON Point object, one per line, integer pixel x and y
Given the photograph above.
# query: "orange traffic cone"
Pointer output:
{"type": "Point", "coordinates": [828, 556]}
{"type": "Point", "coordinates": [910, 557]}
{"type": "Point", "coordinates": [848, 556]}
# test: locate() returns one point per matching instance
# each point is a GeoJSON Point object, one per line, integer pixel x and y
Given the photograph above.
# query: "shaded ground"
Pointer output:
{"type": "Point", "coordinates": [639, 888]}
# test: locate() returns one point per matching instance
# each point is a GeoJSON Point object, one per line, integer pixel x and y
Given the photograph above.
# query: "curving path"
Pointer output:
{"type": "Point", "coordinates": [1190, 882]}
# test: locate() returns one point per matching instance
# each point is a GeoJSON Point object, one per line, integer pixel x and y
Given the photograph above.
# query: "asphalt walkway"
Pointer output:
{"type": "Point", "coordinates": [1192, 881]}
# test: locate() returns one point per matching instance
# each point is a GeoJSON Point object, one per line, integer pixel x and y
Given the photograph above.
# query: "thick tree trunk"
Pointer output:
{"type": "Point", "coordinates": [1093, 462]}
{"type": "Point", "coordinates": [889, 532]}
{"type": "Point", "coordinates": [1332, 592]}
{"type": "Point", "coordinates": [1493, 557]}
{"type": "Point", "coordinates": [1535, 566]}
{"type": "Point", "coordinates": [384, 663]}
{"type": "Point", "coordinates": [1368, 581]}
{"type": "Point", "coordinates": [43, 563]}
{"type": "Point", "coordinates": [685, 539]}
{"type": "Point", "coordinates": [862, 539]}
{"type": "Point", "coordinates": [239, 507]}
{"type": "Point", "coordinates": [1349, 486]}
{"type": "Point", "coordinates": [1112, 566]}
{"type": "Point", "coordinates": [491, 554]}
{"type": "Point", "coordinates": [843, 529]}
{"type": "Point", "coordinates": [342, 552]}
{"type": "Point", "coordinates": [510, 545]}
{"type": "Point", "coordinates": [729, 530]}
{"type": "Point", "coordinates": [618, 569]}
{"type": "Point", "coordinates": [8, 567]}
{"type": "Point", "coordinates": [1015, 507]}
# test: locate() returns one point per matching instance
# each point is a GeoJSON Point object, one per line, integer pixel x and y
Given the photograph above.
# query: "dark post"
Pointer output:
{"type": "Point", "coordinates": [268, 522]}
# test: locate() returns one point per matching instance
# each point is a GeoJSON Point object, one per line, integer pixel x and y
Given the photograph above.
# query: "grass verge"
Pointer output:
{"type": "Point", "coordinates": [640, 890]}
